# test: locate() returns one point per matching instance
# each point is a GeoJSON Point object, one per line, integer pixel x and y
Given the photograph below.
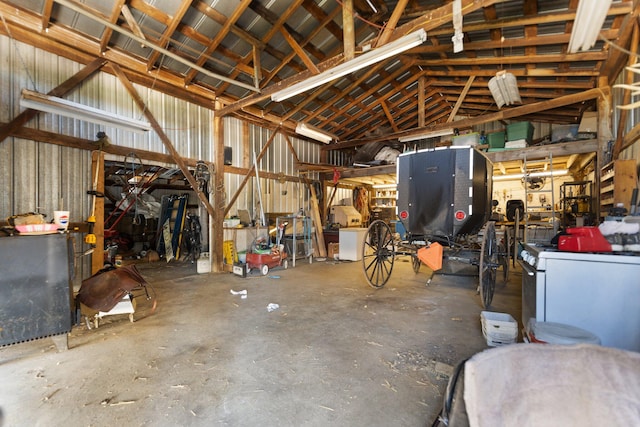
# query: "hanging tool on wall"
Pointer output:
{"type": "Point", "coordinates": [90, 238]}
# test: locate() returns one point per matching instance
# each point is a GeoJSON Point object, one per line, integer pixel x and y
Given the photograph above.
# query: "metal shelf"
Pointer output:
{"type": "Point", "coordinates": [576, 199]}
{"type": "Point", "coordinates": [295, 232]}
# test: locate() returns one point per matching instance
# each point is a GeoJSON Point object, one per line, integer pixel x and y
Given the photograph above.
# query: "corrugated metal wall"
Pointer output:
{"type": "Point", "coordinates": [277, 195]}
{"type": "Point", "coordinates": [43, 177]}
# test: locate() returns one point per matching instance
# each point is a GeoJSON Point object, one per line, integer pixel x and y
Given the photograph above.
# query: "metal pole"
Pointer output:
{"type": "Point", "coordinates": [255, 162]}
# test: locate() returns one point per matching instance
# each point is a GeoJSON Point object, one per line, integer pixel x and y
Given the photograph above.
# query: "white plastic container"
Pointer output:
{"type": "Point", "coordinates": [203, 265]}
{"type": "Point", "coordinates": [498, 328]}
{"type": "Point", "coordinates": [471, 139]}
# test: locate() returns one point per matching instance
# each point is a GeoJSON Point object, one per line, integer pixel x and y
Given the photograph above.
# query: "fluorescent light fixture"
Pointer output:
{"type": "Point", "coordinates": [432, 134]}
{"type": "Point", "coordinates": [387, 186]}
{"type": "Point", "coordinates": [372, 6]}
{"type": "Point", "coordinates": [63, 107]}
{"type": "Point", "coordinates": [544, 174]}
{"type": "Point", "coordinates": [370, 57]}
{"type": "Point", "coordinates": [589, 19]}
{"type": "Point", "coordinates": [504, 88]}
{"type": "Point", "coordinates": [314, 133]}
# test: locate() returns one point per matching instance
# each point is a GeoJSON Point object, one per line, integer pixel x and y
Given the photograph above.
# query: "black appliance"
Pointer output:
{"type": "Point", "coordinates": [35, 288]}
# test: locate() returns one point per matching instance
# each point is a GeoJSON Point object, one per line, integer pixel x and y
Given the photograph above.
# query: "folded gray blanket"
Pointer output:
{"type": "Point", "coordinates": [553, 385]}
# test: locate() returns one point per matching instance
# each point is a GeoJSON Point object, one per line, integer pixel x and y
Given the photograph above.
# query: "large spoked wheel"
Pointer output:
{"type": "Point", "coordinates": [516, 236]}
{"type": "Point", "coordinates": [504, 255]}
{"type": "Point", "coordinates": [488, 264]}
{"type": "Point", "coordinates": [378, 253]}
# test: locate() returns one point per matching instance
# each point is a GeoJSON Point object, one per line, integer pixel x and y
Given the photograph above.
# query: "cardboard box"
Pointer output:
{"type": "Point", "coordinates": [589, 122]}
{"type": "Point", "coordinates": [333, 250]}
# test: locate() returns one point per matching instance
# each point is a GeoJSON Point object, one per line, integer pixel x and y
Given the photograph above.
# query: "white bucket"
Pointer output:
{"type": "Point", "coordinates": [61, 219]}
{"type": "Point", "coordinates": [203, 265]}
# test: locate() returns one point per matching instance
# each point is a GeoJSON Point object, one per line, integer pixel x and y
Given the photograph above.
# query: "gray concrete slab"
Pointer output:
{"type": "Point", "coordinates": [336, 351]}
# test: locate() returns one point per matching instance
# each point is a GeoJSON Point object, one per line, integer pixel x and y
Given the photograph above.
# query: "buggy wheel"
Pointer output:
{"type": "Point", "coordinates": [264, 269]}
{"type": "Point", "coordinates": [503, 259]}
{"type": "Point", "coordinates": [488, 264]}
{"type": "Point", "coordinates": [504, 251]}
{"type": "Point", "coordinates": [415, 263]}
{"type": "Point", "coordinates": [378, 254]}
{"type": "Point", "coordinates": [516, 239]}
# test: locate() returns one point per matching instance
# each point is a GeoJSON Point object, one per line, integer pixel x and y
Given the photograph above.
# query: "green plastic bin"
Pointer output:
{"type": "Point", "coordinates": [496, 140]}
{"type": "Point", "coordinates": [520, 130]}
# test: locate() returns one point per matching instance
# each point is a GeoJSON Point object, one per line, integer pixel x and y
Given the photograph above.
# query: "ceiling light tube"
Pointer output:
{"type": "Point", "coordinates": [589, 19]}
{"type": "Point", "coordinates": [371, 57]}
{"type": "Point", "coordinates": [314, 133]}
{"type": "Point", "coordinates": [432, 134]}
{"type": "Point", "coordinates": [63, 107]}
{"type": "Point", "coordinates": [516, 176]}
{"type": "Point", "coordinates": [504, 89]}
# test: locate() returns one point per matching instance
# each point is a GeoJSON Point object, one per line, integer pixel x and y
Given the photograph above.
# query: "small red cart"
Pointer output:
{"type": "Point", "coordinates": [266, 261]}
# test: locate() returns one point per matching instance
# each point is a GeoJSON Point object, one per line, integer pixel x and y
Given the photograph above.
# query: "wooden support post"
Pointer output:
{"type": "Point", "coordinates": [348, 30]}
{"type": "Point", "coordinates": [422, 85]}
{"type": "Point", "coordinates": [629, 79]}
{"type": "Point", "coordinates": [217, 230]}
{"type": "Point", "coordinates": [317, 221]}
{"type": "Point", "coordinates": [97, 167]}
{"type": "Point", "coordinates": [604, 130]}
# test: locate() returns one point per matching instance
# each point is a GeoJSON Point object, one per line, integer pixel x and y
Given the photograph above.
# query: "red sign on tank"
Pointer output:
{"type": "Point", "coordinates": [460, 215]}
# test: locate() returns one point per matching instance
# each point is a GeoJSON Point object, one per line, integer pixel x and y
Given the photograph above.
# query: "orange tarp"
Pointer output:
{"type": "Point", "coordinates": [431, 256]}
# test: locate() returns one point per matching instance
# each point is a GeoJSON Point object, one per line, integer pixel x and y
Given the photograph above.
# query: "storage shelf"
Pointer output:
{"type": "Point", "coordinates": [617, 181]}
{"type": "Point", "coordinates": [576, 203]}
{"type": "Point", "coordinates": [383, 199]}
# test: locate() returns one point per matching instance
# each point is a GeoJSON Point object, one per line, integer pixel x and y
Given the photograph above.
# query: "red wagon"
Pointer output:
{"type": "Point", "coordinates": [265, 261]}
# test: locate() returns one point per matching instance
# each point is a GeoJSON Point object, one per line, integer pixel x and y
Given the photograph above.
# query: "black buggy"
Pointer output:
{"type": "Point", "coordinates": [444, 197]}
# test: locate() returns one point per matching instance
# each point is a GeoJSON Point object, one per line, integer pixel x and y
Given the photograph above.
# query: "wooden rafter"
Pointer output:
{"type": "Point", "coordinates": [243, 43]}
{"type": "Point", "coordinates": [108, 32]}
{"type": "Point", "coordinates": [217, 39]}
{"type": "Point", "coordinates": [168, 32]}
{"type": "Point", "coordinates": [133, 24]}
{"type": "Point", "coordinates": [46, 14]}
{"type": "Point", "coordinates": [387, 112]}
{"type": "Point", "coordinates": [460, 99]}
{"type": "Point", "coordinates": [299, 51]}
{"type": "Point", "coordinates": [276, 23]}
{"type": "Point", "coordinates": [501, 115]}
{"type": "Point", "coordinates": [390, 26]}
{"type": "Point", "coordinates": [325, 20]}
{"type": "Point", "coordinates": [427, 22]}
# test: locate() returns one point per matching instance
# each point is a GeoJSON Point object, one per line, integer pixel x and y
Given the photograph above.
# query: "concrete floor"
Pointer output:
{"type": "Point", "coordinates": [336, 352]}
